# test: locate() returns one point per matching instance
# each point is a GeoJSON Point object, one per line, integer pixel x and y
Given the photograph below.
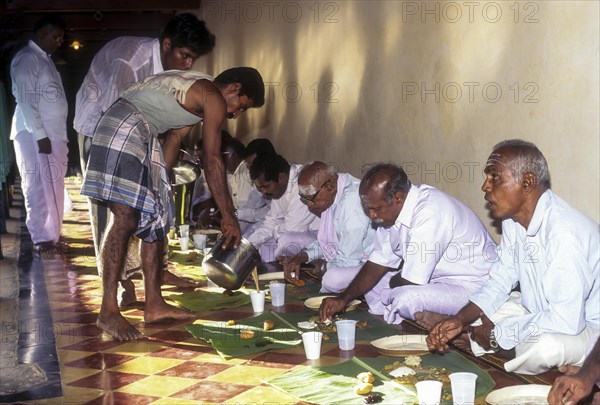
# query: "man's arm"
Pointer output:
{"type": "Point", "coordinates": [172, 144]}
{"type": "Point", "coordinates": [215, 112]}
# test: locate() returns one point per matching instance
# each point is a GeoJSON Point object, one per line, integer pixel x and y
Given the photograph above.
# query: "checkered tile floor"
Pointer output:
{"type": "Point", "coordinates": [169, 367]}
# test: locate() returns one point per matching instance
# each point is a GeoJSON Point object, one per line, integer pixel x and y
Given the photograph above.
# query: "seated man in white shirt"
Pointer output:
{"type": "Point", "coordinates": [345, 233]}
{"type": "Point", "coordinates": [288, 226]}
{"type": "Point", "coordinates": [431, 252]}
{"type": "Point", "coordinates": [551, 250]}
{"type": "Point", "coordinates": [251, 206]}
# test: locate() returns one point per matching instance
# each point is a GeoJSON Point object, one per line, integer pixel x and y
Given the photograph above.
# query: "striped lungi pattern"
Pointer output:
{"type": "Point", "coordinates": [126, 165]}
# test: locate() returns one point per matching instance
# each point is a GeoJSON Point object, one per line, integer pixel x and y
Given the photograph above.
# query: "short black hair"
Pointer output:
{"type": "Point", "coordinates": [49, 19]}
{"type": "Point", "coordinates": [186, 31]}
{"type": "Point", "coordinates": [270, 165]}
{"type": "Point", "coordinates": [394, 177]}
{"type": "Point", "coordinates": [259, 146]}
{"type": "Point", "coordinates": [235, 145]}
{"type": "Point", "coordinates": [250, 80]}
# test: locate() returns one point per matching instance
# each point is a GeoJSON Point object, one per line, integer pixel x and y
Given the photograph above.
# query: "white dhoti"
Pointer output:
{"type": "Point", "coordinates": [43, 186]}
{"type": "Point", "coordinates": [538, 354]}
{"type": "Point", "coordinates": [288, 244]}
{"type": "Point", "coordinates": [399, 303]}
{"type": "Point", "coordinates": [336, 278]}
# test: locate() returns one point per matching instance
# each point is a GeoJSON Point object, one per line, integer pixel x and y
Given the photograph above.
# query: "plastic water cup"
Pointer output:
{"type": "Point", "coordinates": [429, 392]}
{"type": "Point", "coordinates": [312, 344]}
{"type": "Point", "coordinates": [199, 241]}
{"type": "Point", "coordinates": [346, 332]}
{"type": "Point", "coordinates": [184, 230]}
{"type": "Point", "coordinates": [463, 388]}
{"type": "Point", "coordinates": [277, 294]}
{"type": "Point", "coordinates": [184, 242]}
{"type": "Point", "coordinates": [258, 300]}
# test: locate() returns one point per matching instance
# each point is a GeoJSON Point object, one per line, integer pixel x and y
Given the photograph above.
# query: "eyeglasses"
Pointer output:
{"type": "Point", "coordinates": [307, 200]}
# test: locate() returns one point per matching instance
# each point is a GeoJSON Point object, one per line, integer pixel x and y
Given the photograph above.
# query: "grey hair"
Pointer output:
{"type": "Point", "coordinates": [326, 172]}
{"type": "Point", "coordinates": [394, 176]}
{"type": "Point", "coordinates": [526, 157]}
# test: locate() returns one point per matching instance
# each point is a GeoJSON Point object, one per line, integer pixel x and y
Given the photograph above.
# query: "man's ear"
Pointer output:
{"type": "Point", "coordinates": [283, 177]}
{"type": "Point", "coordinates": [400, 197]}
{"type": "Point", "coordinates": [528, 182]}
{"type": "Point", "coordinates": [166, 44]}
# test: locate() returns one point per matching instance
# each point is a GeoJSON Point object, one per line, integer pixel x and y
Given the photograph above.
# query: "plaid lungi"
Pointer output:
{"type": "Point", "coordinates": [126, 165]}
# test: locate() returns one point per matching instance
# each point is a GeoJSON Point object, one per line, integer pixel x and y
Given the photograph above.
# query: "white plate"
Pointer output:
{"type": "Point", "coordinates": [531, 394]}
{"type": "Point", "coordinates": [278, 275]}
{"type": "Point", "coordinates": [315, 302]}
{"type": "Point", "coordinates": [401, 345]}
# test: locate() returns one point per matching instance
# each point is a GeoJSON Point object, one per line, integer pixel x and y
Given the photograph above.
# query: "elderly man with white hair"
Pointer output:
{"type": "Point", "coordinates": [345, 234]}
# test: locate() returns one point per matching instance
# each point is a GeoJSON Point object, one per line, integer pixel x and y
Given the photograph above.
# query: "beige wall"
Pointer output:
{"type": "Point", "coordinates": [432, 85]}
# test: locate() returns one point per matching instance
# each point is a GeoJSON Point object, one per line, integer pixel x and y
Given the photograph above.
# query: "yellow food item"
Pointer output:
{"type": "Point", "coordinates": [298, 283]}
{"type": "Point", "coordinates": [231, 322]}
{"type": "Point", "coordinates": [366, 377]}
{"type": "Point", "coordinates": [268, 324]}
{"type": "Point", "coordinates": [363, 388]}
{"type": "Point", "coordinates": [247, 334]}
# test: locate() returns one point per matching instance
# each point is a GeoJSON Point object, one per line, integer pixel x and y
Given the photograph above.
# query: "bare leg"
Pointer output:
{"type": "Point", "coordinates": [127, 294]}
{"type": "Point", "coordinates": [112, 255]}
{"type": "Point", "coordinates": [157, 309]}
{"type": "Point", "coordinates": [172, 279]}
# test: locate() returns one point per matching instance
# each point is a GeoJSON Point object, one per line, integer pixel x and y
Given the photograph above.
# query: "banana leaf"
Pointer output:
{"type": "Point", "coordinates": [227, 340]}
{"type": "Point", "coordinates": [334, 384]}
{"type": "Point", "coordinates": [209, 299]}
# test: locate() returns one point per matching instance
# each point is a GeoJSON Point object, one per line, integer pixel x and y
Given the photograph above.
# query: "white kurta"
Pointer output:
{"type": "Point", "coordinates": [41, 112]}
{"type": "Point", "coordinates": [251, 206]}
{"type": "Point", "coordinates": [442, 247]}
{"type": "Point", "coordinates": [288, 226]}
{"type": "Point", "coordinates": [556, 262]}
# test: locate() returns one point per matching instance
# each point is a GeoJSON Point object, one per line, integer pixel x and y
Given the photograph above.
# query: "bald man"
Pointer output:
{"type": "Point", "coordinates": [345, 234]}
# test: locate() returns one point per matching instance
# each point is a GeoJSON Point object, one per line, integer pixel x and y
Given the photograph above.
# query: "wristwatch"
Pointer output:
{"type": "Point", "coordinates": [494, 346]}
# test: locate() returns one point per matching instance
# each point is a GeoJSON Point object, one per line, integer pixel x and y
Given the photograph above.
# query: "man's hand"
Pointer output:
{"type": "Point", "coordinates": [230, 228]}
{"type": "Point", "coordinates": [570, 389]}
{"type": "Point", "coordinates": [442, 332]}
{"type": "Point", "coordinates": [291, 265]}
{"type": "Point", "coordinates": [44, 146]}
{"type": "Point", "coordinates": [330, 307]}
{"type": "Point", "coordinates": [481, 334]}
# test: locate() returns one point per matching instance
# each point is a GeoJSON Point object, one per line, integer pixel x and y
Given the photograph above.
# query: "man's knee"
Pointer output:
{"type": "Point", "coordinates": [125, 218]}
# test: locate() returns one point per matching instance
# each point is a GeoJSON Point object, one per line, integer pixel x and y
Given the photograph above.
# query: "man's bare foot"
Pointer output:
{"type": "Point", "coordinates": [171, 279]}
{"type": "Point", "coordinates": [118, 327]}
{"type": "Point", "coordinates": [569, 369]}
{"type": "Point", "coordinates": [426, 319]}
{"type": "Point", "coordinates": [126, 294]}
{"type": "Point", "coordinates": [163, 312]}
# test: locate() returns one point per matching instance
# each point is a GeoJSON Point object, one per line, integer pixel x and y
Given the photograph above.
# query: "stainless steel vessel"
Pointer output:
{"type": "Point", "coordinates": [229, 268]}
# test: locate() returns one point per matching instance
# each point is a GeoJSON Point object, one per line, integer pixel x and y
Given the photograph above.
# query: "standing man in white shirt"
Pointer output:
{"type": "Point", "coordinates": [431, 252]}
{"type": "Point", "coordinates": [39, 132]}
{"type": "Point", "coordinates": [345, 235]}
{"type": "Point", "coordinates": [288, 226]}
{"type": "Point", "coordinates": [551, 251]}
{"type": "Point", "coordinates": [119, 64]}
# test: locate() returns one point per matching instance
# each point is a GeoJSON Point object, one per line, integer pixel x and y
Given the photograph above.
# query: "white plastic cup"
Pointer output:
{"type": "Point", "coordinates": [463, 388]}
{"type": "Point", "coordinates": [277, 293]}
{"type": "Point", "coordinates": [429, 392]}
{"type": "Point", "coordinates": [346, 332]}
{"type": "Point", "coordinates": [184, 242]}
{"type": "Point", "coordinates": [184, 230]}
{"type": "Point", "coordinates": [199, 241]}
{"type": "Point", "coordinates": [258, 300]}
{"type": "Point", "coordinates": [312, 344]}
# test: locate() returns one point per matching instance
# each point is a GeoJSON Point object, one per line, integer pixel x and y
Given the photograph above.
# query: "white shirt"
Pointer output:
{"type": "Point", "coordinates": [439, 239]}
{"type": "Point", "coordinates": [38, 90]}
{"type": "Point", "coordinates": [287, 214]}
{"type": "Point", "coordinates": [557, 264]}
{"type": "Point", "coordinates": [352, 227]}
{"type": "Point", "coordinates": [119, 64]}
